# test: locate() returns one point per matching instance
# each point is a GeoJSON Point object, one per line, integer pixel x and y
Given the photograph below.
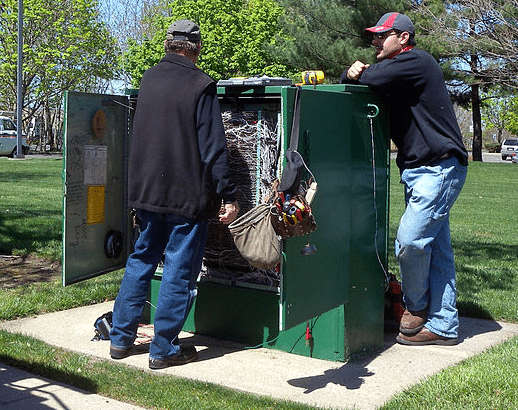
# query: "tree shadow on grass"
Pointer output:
{"type": "Point", "coordinates": [485, 251]}
{"type": "Point", "coordinates": [51, 372]}
{"type": "Point", "coordinates": [16, 233]}
{"type": "Point", "coordinates": [483, 267]}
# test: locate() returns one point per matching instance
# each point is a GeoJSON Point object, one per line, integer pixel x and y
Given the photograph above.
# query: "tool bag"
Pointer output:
{"type": "Point", "coordinates": [102, 326]}
{"type": "Point", "coordinates": [255, 238]}
{"type": "Point", "coordinates": [291, 211]}
{"type": "Point", "coordinates": [291, 215]}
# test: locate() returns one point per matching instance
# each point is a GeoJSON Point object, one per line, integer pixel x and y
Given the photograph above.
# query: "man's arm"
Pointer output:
{"type": "Point", "coordinates": [214, 153]}
{"type": "Point", "coordinates": [355, 71]}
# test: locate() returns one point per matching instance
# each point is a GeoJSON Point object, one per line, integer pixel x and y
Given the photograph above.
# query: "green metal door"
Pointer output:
{"type": "Point", "coordinates": [335, 140]}
{"type": "Point", "coordinates": [95, 224]}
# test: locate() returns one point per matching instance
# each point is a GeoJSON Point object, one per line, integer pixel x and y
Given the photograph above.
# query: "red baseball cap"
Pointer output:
{"type": "Point", "coordinates": [393, 21]}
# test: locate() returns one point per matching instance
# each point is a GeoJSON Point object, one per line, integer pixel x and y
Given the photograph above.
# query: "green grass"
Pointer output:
{"type": "Point", "coordinates": [483, 237]}
{"type": "Point", "coordinates": [486, 260]}
{"type": "Point", "coordinates": [30, 207]}
{"type": "Point", "coordinates": [487, 381]}
{"type": "Point", "coordinates": [486, 243]}
{"type": "Point", "coordinates": [31, 223]}
{"type": "Point", "coordinates": [33, 299]}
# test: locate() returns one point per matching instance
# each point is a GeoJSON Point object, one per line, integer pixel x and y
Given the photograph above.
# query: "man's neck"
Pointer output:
{"type": "Point", "coordinates": [395, 53]}
{"type": "Point", "coordinates": [406, 48]}
{"type": "Point", "coordinates": [188, 56]}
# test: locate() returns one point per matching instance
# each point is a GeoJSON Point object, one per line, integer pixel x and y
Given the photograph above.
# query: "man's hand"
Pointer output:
{"type": "Point", "coordinates": [356, 70]}
{"type": "Point", "coordinates": [229, 214]}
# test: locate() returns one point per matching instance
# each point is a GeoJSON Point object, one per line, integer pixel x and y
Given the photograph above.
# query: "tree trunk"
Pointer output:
{"type": "Point", "coordinates": [475, 108]}
{"type": "Point", "coordinates": [477, 123]}
{"type": "Point", "coordinates": [49, 138]}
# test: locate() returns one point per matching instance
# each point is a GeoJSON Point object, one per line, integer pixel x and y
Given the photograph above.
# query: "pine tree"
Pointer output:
{"type": "Point", "coordinates": [329, 35]}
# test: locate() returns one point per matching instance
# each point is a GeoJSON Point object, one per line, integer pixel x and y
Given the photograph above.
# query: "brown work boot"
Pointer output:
{"type": "Point", "coordinates": [186, 355]}
{"type": "Point", "coordinates": [426, 337]}
{"type": "Point", "coordinates": [412, 322]}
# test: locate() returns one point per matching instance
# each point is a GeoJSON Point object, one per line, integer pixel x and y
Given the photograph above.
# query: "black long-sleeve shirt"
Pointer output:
{"type": "Point", "coordinates": [212, 143]}
{"type": "Point", "coordinates": [423, 124]}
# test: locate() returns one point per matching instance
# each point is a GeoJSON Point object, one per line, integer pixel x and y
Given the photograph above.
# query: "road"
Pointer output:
{"type": "Point", "coordinates": [495, 157]}
{"type": "Point", "coordinates": [486, 157]}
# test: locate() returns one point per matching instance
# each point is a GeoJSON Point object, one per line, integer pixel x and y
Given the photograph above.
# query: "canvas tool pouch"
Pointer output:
{"type": "Point", "coordinates": [256, 239]}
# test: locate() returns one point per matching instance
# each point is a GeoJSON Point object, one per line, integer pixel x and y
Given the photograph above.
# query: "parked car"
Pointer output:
{"type": "Point", "coordinates": [509, 148]}
{"type": "Point", "coordinates": [9, 140]}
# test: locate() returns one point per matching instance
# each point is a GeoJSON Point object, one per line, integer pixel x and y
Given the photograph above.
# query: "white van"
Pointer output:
{"type": "Point", "coordinates": [509, 148]}
{"type": "Point", "coordinates": [8, 138]}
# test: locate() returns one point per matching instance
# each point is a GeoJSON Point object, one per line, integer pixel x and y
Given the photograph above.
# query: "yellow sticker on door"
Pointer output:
{"type": "Point", "coordinates": [95, 204]}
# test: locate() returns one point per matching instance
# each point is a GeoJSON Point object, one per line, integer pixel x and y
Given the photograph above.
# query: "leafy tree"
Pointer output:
{"type": "Point", "coordinates": [65, 47]}
{"type": "Point", "coordinates": [512, 116]}
{"type": "Point", "coordinates": [479, 40]}
{"type": "Point", "coordinates": [498, 111]}
{"type": "Point", "coordinates": [235, 34]}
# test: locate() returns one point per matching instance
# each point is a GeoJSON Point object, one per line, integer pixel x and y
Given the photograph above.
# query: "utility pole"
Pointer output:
{"type": "Point", "coordinates": [19, 98]}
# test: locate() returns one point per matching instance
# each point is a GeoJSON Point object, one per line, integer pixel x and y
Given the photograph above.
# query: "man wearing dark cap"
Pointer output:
{"type": "Point", "coordinates": [178, 179]}
{"type": "Point", "coordinates": [433, 163]}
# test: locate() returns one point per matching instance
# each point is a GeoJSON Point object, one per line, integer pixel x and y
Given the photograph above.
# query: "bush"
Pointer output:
{"type": "Point", "coordinates": [493, 147]}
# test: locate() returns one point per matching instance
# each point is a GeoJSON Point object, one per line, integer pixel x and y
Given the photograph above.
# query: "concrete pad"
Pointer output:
{"type": "Point", "coordinates": [365, 384]}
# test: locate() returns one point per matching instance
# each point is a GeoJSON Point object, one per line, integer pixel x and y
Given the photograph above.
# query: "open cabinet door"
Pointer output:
{"type": "Point", "coordinates": [336, 140]}
{"type": "Point", "coordinates": [96, 222]}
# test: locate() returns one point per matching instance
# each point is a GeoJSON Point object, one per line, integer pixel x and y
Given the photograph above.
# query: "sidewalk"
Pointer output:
{"type": "Point", "coordinates": [22, 390]}
{"type": "Point", "coordinates": [363, 385]}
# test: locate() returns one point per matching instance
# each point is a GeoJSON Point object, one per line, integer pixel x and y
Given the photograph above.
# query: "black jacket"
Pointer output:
{"type": "Point", "coordinates": [178, 158]}
{"type": "Point", "coordinates": [423, 124]}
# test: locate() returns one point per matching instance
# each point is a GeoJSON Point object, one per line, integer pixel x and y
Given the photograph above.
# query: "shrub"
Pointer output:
{"type": "Point", "coordinates": [493, 147]}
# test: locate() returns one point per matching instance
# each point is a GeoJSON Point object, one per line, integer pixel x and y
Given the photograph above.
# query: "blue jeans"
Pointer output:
{"type": "Point", "coordinates": [423, 245]}
{"type": "Point", "coordinates": [181, 241]}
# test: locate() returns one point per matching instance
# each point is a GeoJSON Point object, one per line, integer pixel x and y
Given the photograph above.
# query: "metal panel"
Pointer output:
{"type": "Point", "coordinates": [335, 140]}
{"type": "Point", "coordinates": [95, 224]}
{"type": "Point", "coordinates": [369, 227]}
{"type": "Point", "coordinates": [256, 321]}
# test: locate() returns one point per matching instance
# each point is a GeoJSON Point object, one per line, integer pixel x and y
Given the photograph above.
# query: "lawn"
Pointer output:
{"type": "Point", "coordinates": [483, 238]}
{"type": "Point", "coordinates": [487, 266]}
{"type": "Point", "coordinates": [30, 204]}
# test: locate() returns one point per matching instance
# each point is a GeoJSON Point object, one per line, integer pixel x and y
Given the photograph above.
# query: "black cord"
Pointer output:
{"type": "Point", "coordinates": [387, 275]}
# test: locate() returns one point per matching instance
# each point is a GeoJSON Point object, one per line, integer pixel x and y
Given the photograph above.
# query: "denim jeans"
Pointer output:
{"type": "Point", "coordinates": [181, 241]}
{"type": "Point", "coordinates": [423, 245]}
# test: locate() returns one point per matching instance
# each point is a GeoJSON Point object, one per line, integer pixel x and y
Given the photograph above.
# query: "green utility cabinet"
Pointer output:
{"type": "Point", "coordinates": [329, 304]}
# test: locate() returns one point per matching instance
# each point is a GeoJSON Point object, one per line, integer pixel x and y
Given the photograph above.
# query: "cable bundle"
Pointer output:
{"type": "Point", "coordinates": [253, 140]}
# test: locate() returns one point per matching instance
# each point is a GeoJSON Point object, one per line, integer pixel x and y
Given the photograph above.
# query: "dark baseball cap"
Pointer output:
{"type": "Point", "coordinates": [393, 21]}
{"type": "Point", "coordinates": [184, 30]}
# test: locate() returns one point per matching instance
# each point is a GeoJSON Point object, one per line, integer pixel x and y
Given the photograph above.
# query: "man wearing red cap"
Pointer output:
{"type": "Point", "coordinates": [433, 163]}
